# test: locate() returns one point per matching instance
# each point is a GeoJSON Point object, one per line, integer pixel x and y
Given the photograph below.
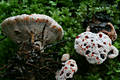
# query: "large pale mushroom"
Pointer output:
{"type": "Point", "coordinates": [35, 28]}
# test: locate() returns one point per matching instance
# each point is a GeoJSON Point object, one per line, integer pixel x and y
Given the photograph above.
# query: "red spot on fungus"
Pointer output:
{"type": "Point", "coordinates": [69, 62]}
{"type": "Point", "coordinates": [86, 37]}
{"type": "Point", "coordinates": [83, 40]}
{"type": "Point", "coordinates": [97, 58]}
{"type": "Point", "coordinates": [104, 42]}
{"type": "Point", "coordinates": [92, 54]}
{"type": "Point", "coordinates": [77, 37]}
{"type": "Point", "coordinates": [100, 35]}
{"type": "Point", "coordinates": [65, 68]}
{"type": "Point", "coordinates": [93, 44]}
{"type": "Point", "coordinates": [37, 20]}
{"type": "Point", "coordinates": [87, 47]}
{"type": "Point", "coordinates": [91, 40]}
{"type": "Point", "coordinates": [109, 44]}
{"type": "Point", "coordinates": [73, 70]}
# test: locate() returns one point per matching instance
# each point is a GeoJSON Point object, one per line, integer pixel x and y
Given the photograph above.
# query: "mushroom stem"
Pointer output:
{"type": "Point", "coordinates": [32, 37]}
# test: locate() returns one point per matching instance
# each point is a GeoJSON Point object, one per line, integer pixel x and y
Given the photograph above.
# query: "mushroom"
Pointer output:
{"type": "Point", "coordinates": [104, 27]}
{"type": "Point", "coordinates": [95, 47]}
{"type": "Point", "coordinates": [67, 71]}
{"type": "Point", "coordinates": [65, 57]}
{"type": "Point", "coordinates": [35, 28]}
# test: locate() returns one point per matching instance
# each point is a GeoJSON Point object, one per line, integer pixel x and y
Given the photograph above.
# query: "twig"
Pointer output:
{"type": "Point", "coordinates": [4, 66]}
{"type": "Point", "coordinates": [54, 44]}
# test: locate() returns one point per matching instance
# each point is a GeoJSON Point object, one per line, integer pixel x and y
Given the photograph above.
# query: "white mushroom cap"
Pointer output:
{"type": "Point", "coordinates": [65, 57]}
{"type": "Point", "coordinates": [39, 27]}
{"type": "Point", "coordinates": [95, 47]}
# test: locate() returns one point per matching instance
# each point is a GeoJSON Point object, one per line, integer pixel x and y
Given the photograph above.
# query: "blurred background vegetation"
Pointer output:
{"type": "Point", "coordinates": [70, 14]}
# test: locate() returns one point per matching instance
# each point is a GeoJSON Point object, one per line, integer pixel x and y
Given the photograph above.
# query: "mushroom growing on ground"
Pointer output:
{"type": "Point", "coordinates": [95, 47]}
{"type": "Point", "coordinates": [34, 28]}
{"type": "Point", "coordinates": [67, 71]}
{"type": "Point", "coordinates": [65, 57]}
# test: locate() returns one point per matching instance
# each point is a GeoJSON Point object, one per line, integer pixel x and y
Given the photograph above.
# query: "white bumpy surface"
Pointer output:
{"type": "Point", "coordinates": [67, 71]}
{"type": "Point", "coordinates": [95, 47]}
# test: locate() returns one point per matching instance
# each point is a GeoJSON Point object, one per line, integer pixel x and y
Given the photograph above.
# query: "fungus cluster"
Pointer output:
{"type": "Point", "coordinates": [41, 30]}
{"type": "Point", "coordinates": [95, 47]}
{"type": "Point", "coordinates": [38, 30]}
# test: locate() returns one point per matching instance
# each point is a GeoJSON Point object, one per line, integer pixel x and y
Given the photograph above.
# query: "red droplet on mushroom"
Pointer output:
{"type": "Point", "coordinates": [92, 54]}
{"type": "Point", "coordinates": [97, 58]}
{"type": "Point", "coordinates": [86, 37]}
{"type": "Point", "coordinates": [91, 40]}
{"type": "Point", "coordinates": [93, 44]}
{"type": "Point", "coordinates": [65, 68]}
{"type": "Point", "coordinates": [87, 47]}
{"type": "Point", "coordinates": [69, 62]}
{"type": "Point", "coordinates": [37, 19]}
{"type": "Point", "coordinates": [77, 37]}
{"type": "Point", "coordinates": [83, 40]}
{"type": "Point", "coordinates": [100, 35]}
{"type": "Point", "coordinates": [109, 44]}
{"type": "Point", "coordinates": [73, 70]}
{"type": "Point", "coordinates": [104, 42]}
